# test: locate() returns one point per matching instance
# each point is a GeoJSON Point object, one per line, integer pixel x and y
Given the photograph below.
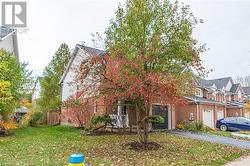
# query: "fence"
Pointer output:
{"type": "Point", "coordinates": [53, 118]}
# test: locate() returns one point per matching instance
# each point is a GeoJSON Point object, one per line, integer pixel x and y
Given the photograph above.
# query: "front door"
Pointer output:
{"type": "Point", "coordinates": [163, 112]}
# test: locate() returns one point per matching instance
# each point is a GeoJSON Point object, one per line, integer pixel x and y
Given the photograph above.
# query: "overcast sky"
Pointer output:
{"type": "Point", "coordinates": [226, 30]}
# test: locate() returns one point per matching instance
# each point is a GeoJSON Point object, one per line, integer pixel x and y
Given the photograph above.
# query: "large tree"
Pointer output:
{"type": "Point", "coordinates": [150, 51]}
{"type": "Point", "coordinates": [244, 81]}
{"type": "Point", "coordinates": [50, 89]}
{"type": "Point", "coordinates": [14, 81]}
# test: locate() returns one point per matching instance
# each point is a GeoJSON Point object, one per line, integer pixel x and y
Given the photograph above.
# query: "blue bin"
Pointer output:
{"type": "Point", "coordinates": [76, 159]}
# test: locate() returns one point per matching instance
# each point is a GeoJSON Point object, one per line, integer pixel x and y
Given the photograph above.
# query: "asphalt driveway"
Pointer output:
{"type": "Point", "coordinates": [214, 139]}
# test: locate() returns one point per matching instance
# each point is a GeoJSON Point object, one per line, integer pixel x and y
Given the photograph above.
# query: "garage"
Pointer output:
{"type": "Point", "coordinates": [164, 112]}
{"type": "Point", "coordinates": [208, 118]}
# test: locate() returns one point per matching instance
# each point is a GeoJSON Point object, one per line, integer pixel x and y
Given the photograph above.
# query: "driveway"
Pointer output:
{"type": "Point", "coordinates": [214, 139]}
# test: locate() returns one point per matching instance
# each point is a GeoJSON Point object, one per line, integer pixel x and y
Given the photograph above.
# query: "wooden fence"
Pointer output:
{"type": "Point", "coordinates": [53, 118]}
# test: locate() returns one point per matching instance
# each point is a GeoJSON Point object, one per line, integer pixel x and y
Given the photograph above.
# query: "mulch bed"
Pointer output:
{"type": "Point", "coordinates": [140, 146]}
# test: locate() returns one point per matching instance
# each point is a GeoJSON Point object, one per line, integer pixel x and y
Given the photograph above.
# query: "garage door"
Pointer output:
{"type": "Point", "coordinates": [220, 115]}
{"type": "Point", "coordinates": [163, 112]}
{"type": "Point", "coordinates": [208, 118]}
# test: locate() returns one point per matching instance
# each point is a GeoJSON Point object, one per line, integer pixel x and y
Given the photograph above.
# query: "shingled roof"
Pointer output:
{"type": "Point", "coordinates": [92, 51]}
{"type": "Point", "coordinates": [246, 90]}
{"type": "Point", "coordinates": [220, 82]}
{"type": "Point", "coordinates": [89, 50]}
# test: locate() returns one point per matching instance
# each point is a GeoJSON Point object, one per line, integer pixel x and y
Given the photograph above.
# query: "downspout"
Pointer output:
{"type": "Point", "coordinates": [171, 114]}
{"type": "Point", "coordinates": [197, 111]}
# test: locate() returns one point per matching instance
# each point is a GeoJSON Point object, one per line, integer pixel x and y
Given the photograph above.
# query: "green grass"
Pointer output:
{"type": "Point", "coordinates": [51, 146]}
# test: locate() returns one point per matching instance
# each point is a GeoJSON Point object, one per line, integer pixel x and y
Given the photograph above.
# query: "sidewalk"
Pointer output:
{"type": "Point", "coordinates": [243, 161]}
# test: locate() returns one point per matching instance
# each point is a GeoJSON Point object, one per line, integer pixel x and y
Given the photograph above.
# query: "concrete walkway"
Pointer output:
{"type": "Point", "coordinates": [243, 161]}
{"type": "Point", "coordinates": [215, 139]}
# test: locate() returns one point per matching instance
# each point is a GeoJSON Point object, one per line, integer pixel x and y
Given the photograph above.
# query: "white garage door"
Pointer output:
{"type": "Point", "coordinates": [220, 115]}
{"type": "Point", "coordinates": [208, 118]}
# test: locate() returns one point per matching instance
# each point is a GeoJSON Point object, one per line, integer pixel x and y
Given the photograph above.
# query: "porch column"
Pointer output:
{"type": "Point", "coordinates": [119, 114]}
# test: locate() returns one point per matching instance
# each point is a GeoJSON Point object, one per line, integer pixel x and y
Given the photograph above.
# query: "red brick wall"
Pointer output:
{"type": "Point", "coordinates": [182, 112]}
{"type": "Point", "coordinates": [69, 116]}
{"type": "Point", "coordinates": [234, 112]}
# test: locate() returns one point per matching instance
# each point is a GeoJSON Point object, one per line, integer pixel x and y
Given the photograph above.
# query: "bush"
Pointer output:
{"type": "Point", "coordinates": [99, 119]}
{"type": "Point", "coordinates": [192, 126]}
{"type": "Point", "coordinates": [156, 119]}
{"type": "Point", "coordinates": [33, 118]}
{"type": "Point", "coordinates": [5, 127]}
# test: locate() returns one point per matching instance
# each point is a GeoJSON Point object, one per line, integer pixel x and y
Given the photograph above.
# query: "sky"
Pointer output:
{"type": "Point", "coordinates": [226, 31]}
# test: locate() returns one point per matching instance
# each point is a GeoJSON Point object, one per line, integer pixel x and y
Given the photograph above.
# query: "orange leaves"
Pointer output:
{"type": "Point", "coordinates": [8, 125]}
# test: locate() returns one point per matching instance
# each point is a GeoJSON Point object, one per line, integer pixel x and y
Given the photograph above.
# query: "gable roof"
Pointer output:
{"type": "Point", "coordinates": [220, 82]}
{"type": "Point", "coordinates": [234, 88]}
{"type": "Point", "coordinates": [246, 90]}
{"type": "Point", "coordinates": [89, 50]}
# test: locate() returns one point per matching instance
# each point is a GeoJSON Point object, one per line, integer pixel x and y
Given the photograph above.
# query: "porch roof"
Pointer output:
{"type": "Point", "coordinates": [203, 100]}
{"type": "Point", "coordinates": [235, 104]}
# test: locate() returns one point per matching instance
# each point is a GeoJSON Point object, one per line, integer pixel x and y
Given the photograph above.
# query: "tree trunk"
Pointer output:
{"type": "Point", "coordinates": [138, 122]}
{"type": "Point", "coordinates": [145, 138]}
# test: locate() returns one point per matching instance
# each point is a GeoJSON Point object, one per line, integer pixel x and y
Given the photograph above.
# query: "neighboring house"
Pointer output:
{"type": "Point", "coordinates": [8, 40]}
{"type": "Point", "coordinates": [213, 100]}
{"type": "Point", "coordinates": [36, 92]}
{"type": "Point", "coordinates": [247, 93]}
{"type": "Point", "coordinates": [122, 114]}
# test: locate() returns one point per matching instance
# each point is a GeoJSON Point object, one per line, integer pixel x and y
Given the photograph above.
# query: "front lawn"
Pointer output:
{"type": "Point", "coordinates": [51, 146]}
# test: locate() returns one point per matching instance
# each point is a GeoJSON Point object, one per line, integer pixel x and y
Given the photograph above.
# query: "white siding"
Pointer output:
{"type": "Point", "coordinates": [37, 91]}
{"type": "Point", "coordinates": [69, 86]}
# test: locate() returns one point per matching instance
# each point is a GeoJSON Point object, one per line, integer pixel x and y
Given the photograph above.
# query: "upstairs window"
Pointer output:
{"type": "Point", "coordinates": [213, 96]}
{"type": "Point", "coordinates": [198, 92]}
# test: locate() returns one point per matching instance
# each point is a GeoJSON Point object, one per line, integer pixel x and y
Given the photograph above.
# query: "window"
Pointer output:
{"type": "Point", "coordinates": [198, 92]}
{"type": "Point", "coordinates": [231, 120]}
{"type": "Point", "coordinates": [243, 121]}
{"type": "Point", "coordinates": [213, 96]}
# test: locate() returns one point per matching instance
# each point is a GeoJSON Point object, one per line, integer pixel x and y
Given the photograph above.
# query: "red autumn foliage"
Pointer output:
{"type": "Point", "coordinates": [118, 78]}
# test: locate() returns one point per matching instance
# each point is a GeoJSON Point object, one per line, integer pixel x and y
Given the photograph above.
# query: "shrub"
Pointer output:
{"type": "Point", "coordinates": [99, 119]}
{"type": "Point", "coordinates": [33, 118]}
{"type": "Point", "coordinates": [156, 119]}
{"type": "Point", "coordinates": [192, 126]}
{"type": "Point", "coordinates": [5, 127]}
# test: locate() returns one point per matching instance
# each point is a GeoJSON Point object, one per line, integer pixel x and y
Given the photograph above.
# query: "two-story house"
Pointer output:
{"type": "Point", "coordinates": [213, 100]}
{"type": "Point", "coordinates": [122, 113]}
